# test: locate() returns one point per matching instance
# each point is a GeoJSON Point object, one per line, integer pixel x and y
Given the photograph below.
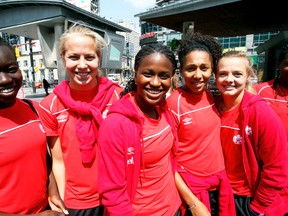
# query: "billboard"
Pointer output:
{"type": "Point", "coordinates": [112, 55]}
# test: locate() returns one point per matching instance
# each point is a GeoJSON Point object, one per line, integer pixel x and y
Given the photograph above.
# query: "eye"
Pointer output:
{"type": "Point", "coordinates": [13, 69]}
{"type": "Point", "coordinates": [147, 74]}
{"type": "Point", "coordinates": [164, 76]}
{"type": "Point", "coordinates": [221, 74]}
{"type": "Point", "coordinates": [90, 57]}
{"type": "Point", "coordinates": [74, 57]}
{"type": "Point", "coordinates": [205, 68]}
{"type": "Point", "coordinates": [238, 74]}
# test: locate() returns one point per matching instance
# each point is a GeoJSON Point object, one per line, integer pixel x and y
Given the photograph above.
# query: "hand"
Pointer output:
{"type": "Point", "coordinates": [57, 204]}
{"type": "Point", "coordinates": [51, 213]}
{"type": "Point", "coordinates": [200, 210]}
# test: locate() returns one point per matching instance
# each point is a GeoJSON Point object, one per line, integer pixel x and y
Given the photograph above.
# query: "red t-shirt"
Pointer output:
{"type": "Point", "coordinates": [81, 188]}
{"type": "Point", "coordinates": [156, 192]}
{"type": "Point", "coordinates": [231, 140]}
{"type": "Point", "coordinates": [278, 103]}
{"type": "Point", "coordinates": [199, 149]}
{"type": "Point", "coordinates": [23, 148]}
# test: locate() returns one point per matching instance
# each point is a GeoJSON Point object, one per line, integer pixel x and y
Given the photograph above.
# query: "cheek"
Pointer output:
{"type": "Point", "coordinates": [93, 64]}
{"type": "Point", "coordinates": [68, 64]}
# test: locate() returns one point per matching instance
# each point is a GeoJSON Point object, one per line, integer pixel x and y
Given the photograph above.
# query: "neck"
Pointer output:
{"type": "Point", "coordinates": [148, 110]}
{"type": "Point", "coordinates": [229, 102]}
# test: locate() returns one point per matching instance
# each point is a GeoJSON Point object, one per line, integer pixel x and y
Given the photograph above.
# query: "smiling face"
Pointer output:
{"type": "Point", "coordinates": [232, 76]}
{"type": "Point", "coordinates": [196, 71]}
{"type": "Point", "coordinates": [153, 78]}
{"type": "Point", "coordinates": [81, 62]}
{"type": "Point", "coordinates": [10, 77]}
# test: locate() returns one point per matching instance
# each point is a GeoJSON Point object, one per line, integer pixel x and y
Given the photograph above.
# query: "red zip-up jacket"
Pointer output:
{"type": "Point", "coordinates": [265, 155]}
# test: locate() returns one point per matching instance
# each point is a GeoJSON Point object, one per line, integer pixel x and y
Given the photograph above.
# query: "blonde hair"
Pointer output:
{"type": "Point", "coordinates": [248, 65]}
{"type": "Point", "coordinates": [80, 29]}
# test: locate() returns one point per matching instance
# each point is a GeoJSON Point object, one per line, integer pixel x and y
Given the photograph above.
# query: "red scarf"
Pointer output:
{"type": "Point", "coordinates": [89, 115]}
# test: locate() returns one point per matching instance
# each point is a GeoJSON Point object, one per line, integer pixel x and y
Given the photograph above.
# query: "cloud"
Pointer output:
{"type": "Point", "coordinates": [142, 4]}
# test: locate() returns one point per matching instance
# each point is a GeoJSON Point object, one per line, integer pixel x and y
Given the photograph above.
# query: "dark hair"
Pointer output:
{"type": "Point", "coordinates": [198, 41]}
{"type": "Point", "coordinates": [146, 51]}
{"type": "Point", "coordinates": [281, 58]}
{"type": "Point", "coordinates": [6, 44]}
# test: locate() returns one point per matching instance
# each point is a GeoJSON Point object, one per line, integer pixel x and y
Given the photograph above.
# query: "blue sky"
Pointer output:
{"type": "Point", "coordinates": [116, 10]}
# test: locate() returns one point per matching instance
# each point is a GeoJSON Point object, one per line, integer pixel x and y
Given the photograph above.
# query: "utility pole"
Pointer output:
{"type": "Point", "coordinates": [32, 65]}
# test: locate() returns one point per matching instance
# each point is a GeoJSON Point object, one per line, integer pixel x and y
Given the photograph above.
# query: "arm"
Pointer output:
{"type": "Point", "coordinates": [55, 201]}
{"type": "Point", "coordinates": [271, 150]}
{"type": "Point", "coordinates": [112, 166]}
{"type": "Point", "coordinates": [197, 210]}
{"type": "Point", "coordinates": [44, 213]}
{"type": "Point", "coordinates": [58, 168]}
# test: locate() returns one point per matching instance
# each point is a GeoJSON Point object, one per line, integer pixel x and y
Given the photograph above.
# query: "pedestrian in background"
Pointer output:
{"type": "Point", "coordinates": [200, 156]}
{"type": "Point", "coordinates": [46, 85]}
{"type": "Point", "coordinates": [275, 91]}
{"type": "Point", "coordinates": [253, 140]}
{"type": "Point", "coordinates": [23, 166]}
{"type": "Point", "coordinates": [137, 141]}
{"type": "Point", "coordinates": [72, 114]}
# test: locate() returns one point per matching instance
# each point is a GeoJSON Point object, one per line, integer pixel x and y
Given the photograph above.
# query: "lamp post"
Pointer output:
{"type": "Point", "coordinates": [32, 65]}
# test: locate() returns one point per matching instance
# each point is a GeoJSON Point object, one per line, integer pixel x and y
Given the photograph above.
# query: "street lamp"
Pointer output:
{"type": "Point", "coordinates": [32, 65]}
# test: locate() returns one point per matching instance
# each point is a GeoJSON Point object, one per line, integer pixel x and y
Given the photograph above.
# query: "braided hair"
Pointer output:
{"type": "Point", "coordinates": [146, 51]}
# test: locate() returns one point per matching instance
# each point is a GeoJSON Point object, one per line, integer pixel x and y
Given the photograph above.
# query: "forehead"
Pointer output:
{"type": "Point", "coordinates": [80, 42]}
{"type": "Point", "coordinates": [156, 59]}
{"type": "Point", "coordinates": [6, 54]}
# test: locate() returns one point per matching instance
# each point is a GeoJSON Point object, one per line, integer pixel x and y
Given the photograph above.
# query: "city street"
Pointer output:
{"type": "Point", "coordinates": [38, 95]}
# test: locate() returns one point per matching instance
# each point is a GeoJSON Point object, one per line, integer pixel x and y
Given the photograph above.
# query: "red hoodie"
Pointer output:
{"type": "Point", "coordinates": [265, 155]}
{"type": "Point", "coordinates": [121, 155]}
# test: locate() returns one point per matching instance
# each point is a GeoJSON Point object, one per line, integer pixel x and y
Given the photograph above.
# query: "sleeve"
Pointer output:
{"type": "Point", "coordinates": [112, 167]}
{"type": "Point", "coordinates": [49, 121]}
{"type": "Point", "coordinates": [272, 154]}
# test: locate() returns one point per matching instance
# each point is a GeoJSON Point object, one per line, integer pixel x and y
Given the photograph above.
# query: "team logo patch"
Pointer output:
{"type": "Point", "coordinates": [248, 130]}
{"type": "Point", "coordinates": [237, 139]}
{"type": "Point", "coordinates": [62, 118]}
{"type": "Point", "coordinates": [187, 121]}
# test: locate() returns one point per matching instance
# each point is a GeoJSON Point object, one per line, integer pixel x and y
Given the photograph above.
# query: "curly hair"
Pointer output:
{"type": "Point", "coordinates": [202, 42]}
{"type": "Point", "coordinates": [146, 51]}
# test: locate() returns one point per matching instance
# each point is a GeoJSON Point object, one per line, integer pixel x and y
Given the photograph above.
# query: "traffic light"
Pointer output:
{"type": "Point", "coordinates": [17, 52]}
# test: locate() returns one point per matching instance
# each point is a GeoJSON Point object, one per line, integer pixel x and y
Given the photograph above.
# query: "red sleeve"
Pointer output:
{"type": "Point", "coordinates": [272, 150]}
{"type": "Point", "coordinates": [112, 168]}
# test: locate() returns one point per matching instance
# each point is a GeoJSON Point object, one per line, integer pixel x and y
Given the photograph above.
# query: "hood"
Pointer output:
{"type": "Point", "coordinates": [126, 108]}
{"type": "Point", "coordinates": [251, 99]}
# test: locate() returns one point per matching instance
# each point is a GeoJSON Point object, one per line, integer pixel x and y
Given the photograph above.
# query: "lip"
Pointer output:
{"type": "Point", "coordinates": [6, 90]}
{"type": "Point", "coordinates": [152, 93]}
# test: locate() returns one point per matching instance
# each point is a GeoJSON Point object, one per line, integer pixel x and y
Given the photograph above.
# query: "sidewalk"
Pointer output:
{"type": "Point", "coordinates": [38, 95]}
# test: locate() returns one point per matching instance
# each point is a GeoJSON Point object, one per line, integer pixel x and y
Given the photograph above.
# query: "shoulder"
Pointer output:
{"type": "Point", "coordinates": [173, 97]}
{"type": "Point", "coordinates": [51, 103]}
{"type": "Point", "coordinates": [262, 86]}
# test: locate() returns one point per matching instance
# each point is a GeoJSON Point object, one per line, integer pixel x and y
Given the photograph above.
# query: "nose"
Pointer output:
{"type": "Point", "coordinates": [82, 63]}
{"type": "Point", "coordinates": [4, 76]}
{"type": "Point", "coordinates": [197, 74]}
{"type": "Point", "coordinates": [229, 78]}
{"type": "Point", "coordinates": [155, 81]}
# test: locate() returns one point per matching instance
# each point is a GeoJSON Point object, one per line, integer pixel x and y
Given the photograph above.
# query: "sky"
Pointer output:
{"type": "Point", "coordinates": [116, 10]}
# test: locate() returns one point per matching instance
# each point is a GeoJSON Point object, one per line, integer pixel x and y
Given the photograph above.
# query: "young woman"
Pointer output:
{"type": "Point", "coordinates": [200, 156]}
{"type": "Point", "coordinates": [72, 114]}
{"type": "Point", "coordinates": [276, 91]}
{"type": "Point", "coordinates": [253, 140]}
{"type": "Point", "coordinates": [137, 142]}
{"type": "Point", "coordinates": [23, 160]}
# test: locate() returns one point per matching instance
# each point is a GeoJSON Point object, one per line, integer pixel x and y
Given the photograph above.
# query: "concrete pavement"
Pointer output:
{"type": "Point", "coordinates": [38, 95]}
